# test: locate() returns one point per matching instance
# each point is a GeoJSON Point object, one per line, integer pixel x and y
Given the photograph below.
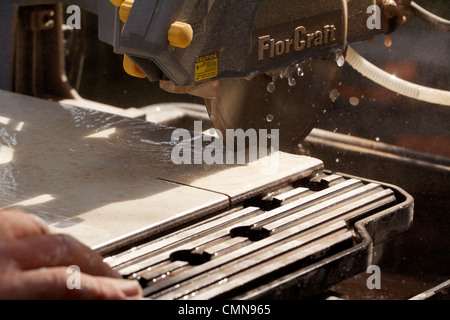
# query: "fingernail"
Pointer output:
{"type": "Point", "coordinates": [131, 289]}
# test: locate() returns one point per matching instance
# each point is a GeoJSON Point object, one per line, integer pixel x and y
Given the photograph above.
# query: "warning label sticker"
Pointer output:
{"type": "Point", "coordinates": [206, 67]}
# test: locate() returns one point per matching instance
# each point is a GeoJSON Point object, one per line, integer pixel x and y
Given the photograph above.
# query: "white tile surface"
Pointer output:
{"type": "Point", "coordinates": [104, 177]}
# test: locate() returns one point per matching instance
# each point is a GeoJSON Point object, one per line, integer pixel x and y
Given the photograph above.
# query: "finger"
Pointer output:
{"type": "Point", "coordinates": [56, 284]}
{"type": "Point", "coordinates": [15, 224]}
{"type": "Point", "coordinates": [53, 251]}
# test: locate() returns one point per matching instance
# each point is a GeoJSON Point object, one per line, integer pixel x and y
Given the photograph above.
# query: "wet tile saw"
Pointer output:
{"type": "Point", "coordinates": [205, 232]}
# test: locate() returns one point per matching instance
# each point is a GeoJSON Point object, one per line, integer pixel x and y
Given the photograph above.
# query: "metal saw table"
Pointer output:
{"type": "Point", "coordinates": [190, 231]}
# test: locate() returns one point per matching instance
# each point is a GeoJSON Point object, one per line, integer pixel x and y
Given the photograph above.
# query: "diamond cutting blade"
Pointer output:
{"type": "Point", "coordinates": [290, 99]}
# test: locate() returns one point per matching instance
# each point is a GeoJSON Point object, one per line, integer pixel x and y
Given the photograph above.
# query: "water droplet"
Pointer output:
{"type": "Point", "coordinates": [271, 87]}
{"type": "Point", "coordinates": [292, 82]}
{"type": "Point", "coordinates": [270, 118]}
{"type": "Point", "coordinates": [354, 101]}
{"type": "Point", "coordinates": [299, 69]}
{"type": "Point", "coordinates": [387, 41]}
{"type": "Point", "coordinates": [334, 95]}
{"type": "Point", "coordinates": [340, 59]}
{"type": "Point", "coordinates": [377, 139]}
{"type": "Point", "coordinates": [337, 160]}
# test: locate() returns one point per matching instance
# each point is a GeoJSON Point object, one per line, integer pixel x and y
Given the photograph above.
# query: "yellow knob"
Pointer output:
{"type": "Point", "coordinates": [131, 68]}
{"type": "Point", "coordinates": [180, 34]}
{"type": "Point", "coordinates": [125, 9]}
{"type": "Point", "coordinates": [117, 3]}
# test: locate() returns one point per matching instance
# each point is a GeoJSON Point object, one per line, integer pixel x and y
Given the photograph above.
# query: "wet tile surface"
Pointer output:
{"type": "Point", "coordinates": [103, 177]}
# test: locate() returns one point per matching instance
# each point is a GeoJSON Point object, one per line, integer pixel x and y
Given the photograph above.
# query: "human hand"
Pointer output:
{"type": "Point", "coordinates": [34, 265]}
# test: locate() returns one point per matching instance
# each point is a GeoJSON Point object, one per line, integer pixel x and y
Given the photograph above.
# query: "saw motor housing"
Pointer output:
{"type": "Point", "coordinates": [238, 39]}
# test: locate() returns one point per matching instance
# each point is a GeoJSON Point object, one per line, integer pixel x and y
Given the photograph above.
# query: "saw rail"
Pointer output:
{"type": "Point", "coordinates": [325, 223]}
